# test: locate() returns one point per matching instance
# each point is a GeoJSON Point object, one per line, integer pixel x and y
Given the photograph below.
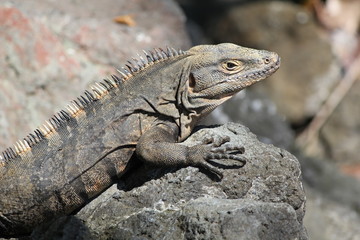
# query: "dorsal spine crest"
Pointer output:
{"type": "Point", "coordinates": [97, 91]}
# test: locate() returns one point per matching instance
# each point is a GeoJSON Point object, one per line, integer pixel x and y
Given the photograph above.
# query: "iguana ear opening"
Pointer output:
{"type": "Point", "coordinates": [192, 82]}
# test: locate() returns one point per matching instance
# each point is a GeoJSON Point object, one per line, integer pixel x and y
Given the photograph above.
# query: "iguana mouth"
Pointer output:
{"type": "Point", "coordinates": [265, 72]}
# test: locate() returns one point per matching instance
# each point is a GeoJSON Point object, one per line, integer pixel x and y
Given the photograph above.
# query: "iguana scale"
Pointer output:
{"type": "Point", "coordinates": [147, 110]}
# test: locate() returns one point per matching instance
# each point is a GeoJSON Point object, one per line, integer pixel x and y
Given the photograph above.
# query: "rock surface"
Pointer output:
{"type": "Point", "coordinates": [262, 200]}
{"type": "Point", "coordinates": [336, 220]}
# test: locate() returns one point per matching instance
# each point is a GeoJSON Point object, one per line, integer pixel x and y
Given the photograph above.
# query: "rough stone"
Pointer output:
{"type": "Point", "coordinates": [262, 200]}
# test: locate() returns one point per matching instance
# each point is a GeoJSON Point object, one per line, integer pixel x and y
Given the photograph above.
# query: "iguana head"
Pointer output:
{"type": "Point", "coordinates": [217, 72]}
{"type": "Point", "coordinates": [222, 70]}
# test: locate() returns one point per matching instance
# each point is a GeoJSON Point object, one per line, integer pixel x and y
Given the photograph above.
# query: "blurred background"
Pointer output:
{"type": "Point", "coordinates": [53, 50]}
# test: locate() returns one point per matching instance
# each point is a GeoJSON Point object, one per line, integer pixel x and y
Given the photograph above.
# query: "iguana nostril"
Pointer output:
{"type": "Point", "coordinates": [272, 58]}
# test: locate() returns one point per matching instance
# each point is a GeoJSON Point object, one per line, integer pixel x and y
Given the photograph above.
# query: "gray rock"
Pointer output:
{"type": "Point", "coordinates": [262, 200]}
{"type": "Point", "coordinates": [325, 178]}
{"type": "Point", "coordinates": [207, 218]}
{"type": "Point", "coordinates": [332, 202]}
{"type": "Point", "coordinates": [336, 220]}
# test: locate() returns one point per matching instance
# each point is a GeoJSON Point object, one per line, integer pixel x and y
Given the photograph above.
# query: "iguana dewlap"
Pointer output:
{"type": "Point", "coordinates": [151, 106]}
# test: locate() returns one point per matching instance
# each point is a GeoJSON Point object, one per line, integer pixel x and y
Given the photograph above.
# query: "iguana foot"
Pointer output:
{"type": "Point", "coordinates": [214, 151]}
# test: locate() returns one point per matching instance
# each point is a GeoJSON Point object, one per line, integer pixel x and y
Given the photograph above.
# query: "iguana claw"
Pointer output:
{"type": "Point", "coordinates": [213, 151]}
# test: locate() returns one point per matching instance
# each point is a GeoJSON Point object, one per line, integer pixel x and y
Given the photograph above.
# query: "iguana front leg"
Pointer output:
{"type": "Point", "coordinates": [158, 146]}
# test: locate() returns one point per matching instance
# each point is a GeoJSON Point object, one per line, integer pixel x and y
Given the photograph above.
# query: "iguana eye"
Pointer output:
{"type": "Point", "coordinates": [232, 65]}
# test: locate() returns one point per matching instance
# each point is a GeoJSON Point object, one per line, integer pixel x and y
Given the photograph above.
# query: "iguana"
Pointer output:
{"type": "Point", "coordinates": [152, 105]}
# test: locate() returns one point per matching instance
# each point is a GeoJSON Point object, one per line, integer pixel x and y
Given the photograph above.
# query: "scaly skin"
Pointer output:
{"type": "Point", "coordinates": [147, 110]}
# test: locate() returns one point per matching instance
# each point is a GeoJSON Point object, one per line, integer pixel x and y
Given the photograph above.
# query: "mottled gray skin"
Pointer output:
{"type": "Point", "coordinates": [156, 106]}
